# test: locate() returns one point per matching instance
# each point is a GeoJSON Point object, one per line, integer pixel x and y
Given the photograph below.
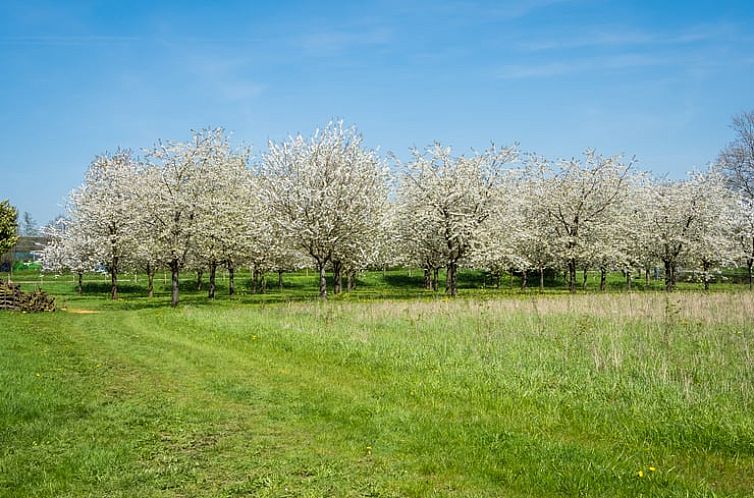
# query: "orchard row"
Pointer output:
{"type": "Point", "coordinates": [328, 202]}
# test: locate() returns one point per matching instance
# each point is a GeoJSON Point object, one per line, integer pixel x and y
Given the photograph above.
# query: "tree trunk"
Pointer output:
{"type": "Point", "coordinates": [646, 278]}
{"type": "Point", "coordinates": [750, 266]}
{"type": "Point", "coordinates": [669, 276]}
{"type": "Point", "coordinates": [199, 275]}
{"type": "Point", "coordinates": [674, 275]}
{"type": "Point", "coordinates": [174, 274]}
{"type": "Point", "coordinates": [212, 279]}
{"type": "Point", "coordinates": [451, 284]}
{"type": "Point", "coordinates": [80, 288]}
{"type": "Point", "coordinates": [541, 279]}
{"type": "Point", "coordinates": [262, 282]}
{"type": "Point", "coordinates": [280, 280]}
{"type": "Point", "coordinates": [705, 274]}
{"type": "Point", "coordinates": [435, 279]}
{"type": "Point", "coordinates": [603, 279]}
{"type": "Point", "coordinates": [629, 279]}
{"type": "Point", "coordinates": [231, 278]}
{"type": "Point", "coordinates": [572, 275]}
{"type": "Point", "coordinates": [524, 279]}
{"type": "Point", "coordinates": [427, 279]}
{"type": "Point", "coordinates": [585, 275]}
{"type": "Point", "coordinates": [114, 278]}
{"type": "Point", "coordinates": [351, 283]}
{"type": "Point", "coordinates": [254, 280]}
{"type": "Point", "coordinates": [322, 280]}
{"type": "Point", "coordinates": [337, 268]}
{"type": "Point", "coordinates": [150, 280]}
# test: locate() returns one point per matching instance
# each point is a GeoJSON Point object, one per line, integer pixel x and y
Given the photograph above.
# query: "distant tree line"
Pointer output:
{"type": "Point", "coordinates": [328, 202]}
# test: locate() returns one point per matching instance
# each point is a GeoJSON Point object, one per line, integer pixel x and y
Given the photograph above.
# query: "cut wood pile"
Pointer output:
{"type": "Point", "coordinates": [12, 299]}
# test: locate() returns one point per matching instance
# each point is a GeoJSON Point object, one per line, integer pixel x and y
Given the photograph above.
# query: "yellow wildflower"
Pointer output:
{"type": "Point", "coordinates": [640, 473]}
{"type": "Point", "coordinates": [652, 469]}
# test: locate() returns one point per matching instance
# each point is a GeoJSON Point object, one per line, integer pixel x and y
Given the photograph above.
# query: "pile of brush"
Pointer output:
{"type": "Point", "coordinates": [11, 298]}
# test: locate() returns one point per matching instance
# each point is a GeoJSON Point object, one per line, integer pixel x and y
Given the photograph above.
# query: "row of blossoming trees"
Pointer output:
{"type": "Point", "coordinates": [328, 202]}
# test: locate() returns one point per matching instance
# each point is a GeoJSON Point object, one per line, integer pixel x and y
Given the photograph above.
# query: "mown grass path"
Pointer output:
{"type": "Point", "coordinates": [593, 395]}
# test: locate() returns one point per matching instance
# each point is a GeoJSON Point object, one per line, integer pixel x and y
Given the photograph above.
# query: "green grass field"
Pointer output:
{"type": "Point", "coordinates": [390, 391]}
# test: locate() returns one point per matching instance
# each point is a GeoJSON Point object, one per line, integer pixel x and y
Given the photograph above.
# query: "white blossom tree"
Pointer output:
{"type": "Point", "coordinates": [105, 210]}
{"type": "Point", "coordinates": [172, 197]}
{"type": "Point", "coordinates": [680, 220]}
{"type": "Point", "coordinates": [326, 193]}
{"type": "Point", "coordinates": [416, 233]}
{"type": "Point", "coordinates": [579, 195]}
{"type": "Point", "coordinates": [636, 235]}
{"type": "Point", "coordinates": [712, 241]}
{"type": "Point", "coordinates": [455, 195]}
{"type": "Point", "coordinates": [536, 235]}
{"type": "Point", "coordinates": [67, 248]}
{"type": "Point", "coordinates": [742, 226]}
{"type": "Point", "coordinates": [510, 238]}
{"type": "Point", "coordinates": [223, 208]}
{"type": "Point", "coordinates": [671, 221]}
{"type": "Point", "coordinates": [148, 253]}
{"type": "Point", "coordinates": [268, 248]}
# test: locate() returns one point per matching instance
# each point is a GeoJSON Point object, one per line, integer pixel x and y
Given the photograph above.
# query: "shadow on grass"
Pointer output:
{"type": "Point", "coordinates": [297, 288]}
{"type": "Point", "coordinates": [105, 288]}
{"type": "Point", "coordinates": [404, 281]}
{"type": "Point", "coordinates": [303, 287]}
{"type": "Point", "coordinates": [199, 298]}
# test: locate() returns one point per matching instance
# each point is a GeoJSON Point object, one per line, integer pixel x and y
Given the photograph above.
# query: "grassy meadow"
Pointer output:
{"type": "Point", "coordinates": [389, 391]}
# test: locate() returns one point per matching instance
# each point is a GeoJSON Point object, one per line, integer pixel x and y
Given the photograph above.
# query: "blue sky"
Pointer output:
{"type": "Point", "coordinates": [659, 80]}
